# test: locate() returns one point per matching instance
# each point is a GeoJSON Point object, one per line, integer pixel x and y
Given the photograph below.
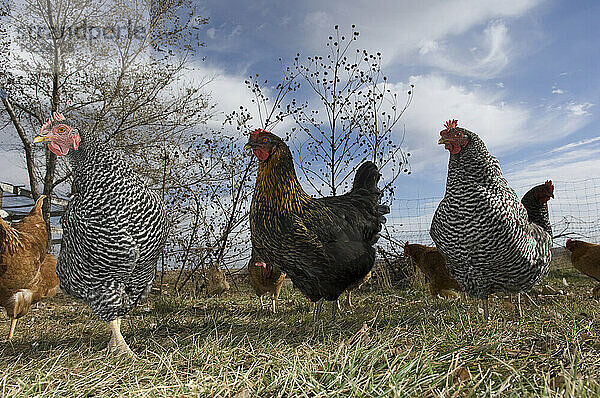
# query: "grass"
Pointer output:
{"type": "Point", "coordinates": [392, 343]}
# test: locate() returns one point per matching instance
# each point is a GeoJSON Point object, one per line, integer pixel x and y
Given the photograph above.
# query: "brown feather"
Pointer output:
{"type": "Point", "coordinates": [265, 284]}
{"type": "Point", "coordinates": [27, 273]}
{"type": "Point", "coordinates": [585, 257]}
{"type": "Point", "coordinates": [431, 262]}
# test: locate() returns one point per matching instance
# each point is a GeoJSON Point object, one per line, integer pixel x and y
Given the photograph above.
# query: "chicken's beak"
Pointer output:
{"type": "Point", "coordinates": [41, 138]}
{"type": "Point", "coordinates": [442, 141]}
{"type": "Point", "coordinates": [249, 145]}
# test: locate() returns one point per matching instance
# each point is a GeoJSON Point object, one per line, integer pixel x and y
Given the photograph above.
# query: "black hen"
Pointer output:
{"type": "Point", "coordinates": [536, 204]}
{"type": "Point", "coordinates": [323, 245]}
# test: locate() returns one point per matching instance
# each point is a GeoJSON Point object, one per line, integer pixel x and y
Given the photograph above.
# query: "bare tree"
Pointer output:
{"type": "Point", "coordinates": [115, 69]}
{"type": "Point", "coordinates": [353, 117]}
{"type": "Point", "coordinates": [348, 114]}
{"type": "Point", "coordinates": [210, 206]}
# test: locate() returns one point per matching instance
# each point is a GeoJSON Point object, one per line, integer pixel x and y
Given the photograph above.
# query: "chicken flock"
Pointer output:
{"type": "Point", "coordinates": [114, 230]}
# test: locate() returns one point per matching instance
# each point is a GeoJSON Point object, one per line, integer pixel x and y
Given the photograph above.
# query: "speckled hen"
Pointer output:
{"type": "Point", "coordinates": [481, 227]}
{"type": "Point", "coordinates": [324, 245]}
{"type": "Point", "coordinates": [114, 229]}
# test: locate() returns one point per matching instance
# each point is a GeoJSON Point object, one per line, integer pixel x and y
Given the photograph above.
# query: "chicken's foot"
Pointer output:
{"type": "Point", "coordinates": [117, 344]}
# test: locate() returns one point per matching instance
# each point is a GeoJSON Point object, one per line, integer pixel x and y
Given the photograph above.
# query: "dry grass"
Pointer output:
{"type": "Point", "coordinates": [392, 343]}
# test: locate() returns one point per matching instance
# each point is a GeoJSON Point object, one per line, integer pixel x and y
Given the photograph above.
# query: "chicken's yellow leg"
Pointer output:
{"type": "Point", "coordinates": [117, 344]}
{"type": "Point", "coordinates": [13, 323]}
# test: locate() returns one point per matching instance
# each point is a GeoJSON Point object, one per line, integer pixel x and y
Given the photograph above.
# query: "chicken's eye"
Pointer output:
{"type": "Point", "coordinates": [265, 139]}
{"type": "Point", "coordinates": [458, 134]}
{"type": "Point", "coordinates": [60, 130]}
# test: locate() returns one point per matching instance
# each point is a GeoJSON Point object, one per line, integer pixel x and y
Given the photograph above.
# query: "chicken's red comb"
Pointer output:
{"type": "Point", "coordinates": [261, 264]}
{"type": "Point", "coordinates": [56, 117]}
{"type": "Point", "coordinates": [568, 241]}
{"type": "Point", "coordinates": [255, 133]}
{"type": "Point", "coordinates": [406, 244]}
{"type": "Point", "coordinates": [450, 124]}
{"type": "Point", "coordinates": [550, 185]}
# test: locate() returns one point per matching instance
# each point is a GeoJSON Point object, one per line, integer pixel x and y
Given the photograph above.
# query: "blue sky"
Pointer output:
{"type": "Point", "coordinates": [523, 74]}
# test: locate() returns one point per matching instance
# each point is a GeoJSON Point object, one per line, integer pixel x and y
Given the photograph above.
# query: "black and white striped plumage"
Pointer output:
{"type": "Point", "coordinates": [481, 227]}
{"type": "Point", "coordinates": [114, 230]}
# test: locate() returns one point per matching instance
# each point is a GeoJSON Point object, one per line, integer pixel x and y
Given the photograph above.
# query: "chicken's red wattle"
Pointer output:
{"type": "Point", "coordinates": [453, 148]}
{"type": "Point", "coordinates": [260, 153]}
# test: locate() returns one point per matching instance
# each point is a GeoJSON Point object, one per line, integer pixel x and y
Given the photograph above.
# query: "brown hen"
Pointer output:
{"type": "Point", "coordinates": [27, 272]}
{"type": "Point", "coordinates": [585, 258]}
{"type": "Point", "coordinates": [433, 265]}
{"type": "Point", "coordinates": [266, 279]}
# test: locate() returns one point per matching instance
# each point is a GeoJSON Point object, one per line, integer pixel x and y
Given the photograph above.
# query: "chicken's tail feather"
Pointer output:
{"type": "Point", "coordinates": [365, 184]}
{"type": "Point", "coordinates": [37, 208]}
{"type": "Point", "coordinates": [367, 176]}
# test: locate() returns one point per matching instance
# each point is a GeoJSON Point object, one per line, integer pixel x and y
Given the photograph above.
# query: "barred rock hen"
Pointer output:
{"type": "Point", "coordinates": [481, 227]}
{"type": "Point", "coordinates": [114, 229]}
{"type": "Point", "coordinates": [323, 245]}
{"type": "Point", "coordinates": [27, 273]}
{"type": "Point", "coordinates": [266, 279]}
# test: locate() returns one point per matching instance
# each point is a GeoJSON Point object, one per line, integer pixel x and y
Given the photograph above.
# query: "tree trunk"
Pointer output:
{"type": "Point", "coordinates": [51, 157]}
{"type": "Point", "coordinates": [26, 146]}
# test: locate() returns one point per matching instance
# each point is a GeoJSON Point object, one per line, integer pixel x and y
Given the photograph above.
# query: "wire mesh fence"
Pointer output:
{"type": "Point", "coordinates": [574, 213]}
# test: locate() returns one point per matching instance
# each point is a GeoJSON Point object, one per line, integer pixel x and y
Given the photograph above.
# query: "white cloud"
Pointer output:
{"type": "Point", "coordinates": [405, 29]}
{"type": "Point", "coordinates": [227, 91]}
{"type": "Point", "coordinates": [285, 20]}
{"type": "Point", "coordinates": [484, 61]}
{"type": "Point", "coordinates": [579, 109]}
{"type": "Point", "coordinates": [236, 31]}
{"type": "Point", "coordinates": [503, 125]}
{"type": "Point", "coordinates": [211, 32]}
{"type": "Point", "coordinates": [556, 90]}
{"type": "Point", "coordinates": [317, 20]}
{"type": "Point", "coordinates": [569, 165]}
{"type": "Point", "coordinates": [575, 144]}
{"type": "Point", "coordinates": [428, 46]}
{"type": "Point", "coordinates": [500, 84]}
